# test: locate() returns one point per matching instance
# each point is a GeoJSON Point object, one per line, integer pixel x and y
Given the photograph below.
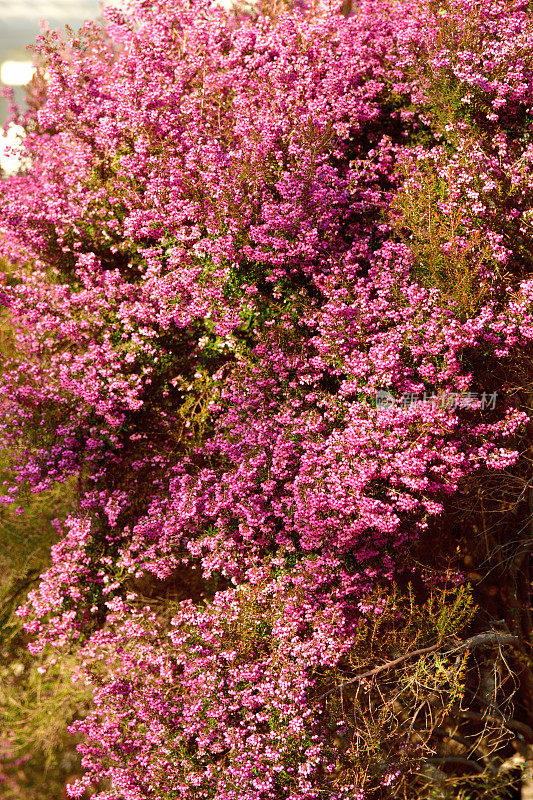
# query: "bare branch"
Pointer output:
{"type": "Point", "coordinates": [463, 762]}
{"type": "Point", "coordinates": [489, 637]}
{"type": "Point", "coordinates": [512, 724]}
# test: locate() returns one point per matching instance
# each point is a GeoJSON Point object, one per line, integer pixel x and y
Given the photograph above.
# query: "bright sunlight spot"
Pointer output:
{"type": "Point", "coordinates": [16, 73]}
{"type": "Point", "coordinates": [9, 147]}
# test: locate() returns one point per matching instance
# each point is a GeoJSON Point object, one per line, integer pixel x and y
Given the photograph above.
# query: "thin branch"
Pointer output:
{"type": "Point", "coordinates": [472, 748]}
{"type": "Point", "coordinates": [512, 724]}
{"type": "Point", "coordinates": [490, 637]}
{"type": "Point", "coordinates": [444, 734]}
{"type": "Point", "coordinates": [383, 668]}
{"type": "Point", "coordinates": [462, 762]}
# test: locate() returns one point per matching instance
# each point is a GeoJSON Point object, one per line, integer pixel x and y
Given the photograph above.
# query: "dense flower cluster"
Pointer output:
{"type": "Point", "coordinates": [216, 210]}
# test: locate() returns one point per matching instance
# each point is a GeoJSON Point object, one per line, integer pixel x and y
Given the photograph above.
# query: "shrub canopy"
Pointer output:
{"type": "Point", "coordinates": [231, 230]}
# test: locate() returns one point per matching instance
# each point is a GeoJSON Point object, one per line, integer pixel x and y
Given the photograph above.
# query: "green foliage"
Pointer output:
{"type": "Point", "coordinates": [38, 700]}
{"type": "Point", "coordinates": [25, 541]}
{"type": "Point", "coordinates": [442, 260]}
{"type": "Point", "coordinates": [434, 784]}
{"type": "Point", "coordinates": [37, 697]}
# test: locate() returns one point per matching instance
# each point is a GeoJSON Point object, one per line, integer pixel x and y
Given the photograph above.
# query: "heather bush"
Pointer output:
{"type": "Point", "coordinates": [233, 233]}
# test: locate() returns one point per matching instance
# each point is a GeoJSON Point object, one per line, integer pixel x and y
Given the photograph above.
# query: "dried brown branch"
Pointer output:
{"type": "Point", "coordinates": [512, 724]}
{"type": "Point", "coordinates": [481, 639]}
{"type": "Point", "coordinates": [489, 637]}
{"type": "Point", "coordinates": [458, 761]}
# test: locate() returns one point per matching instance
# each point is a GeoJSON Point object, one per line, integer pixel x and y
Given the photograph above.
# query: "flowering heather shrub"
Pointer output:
{"type": "Point", "coordinates": [231, 230]}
